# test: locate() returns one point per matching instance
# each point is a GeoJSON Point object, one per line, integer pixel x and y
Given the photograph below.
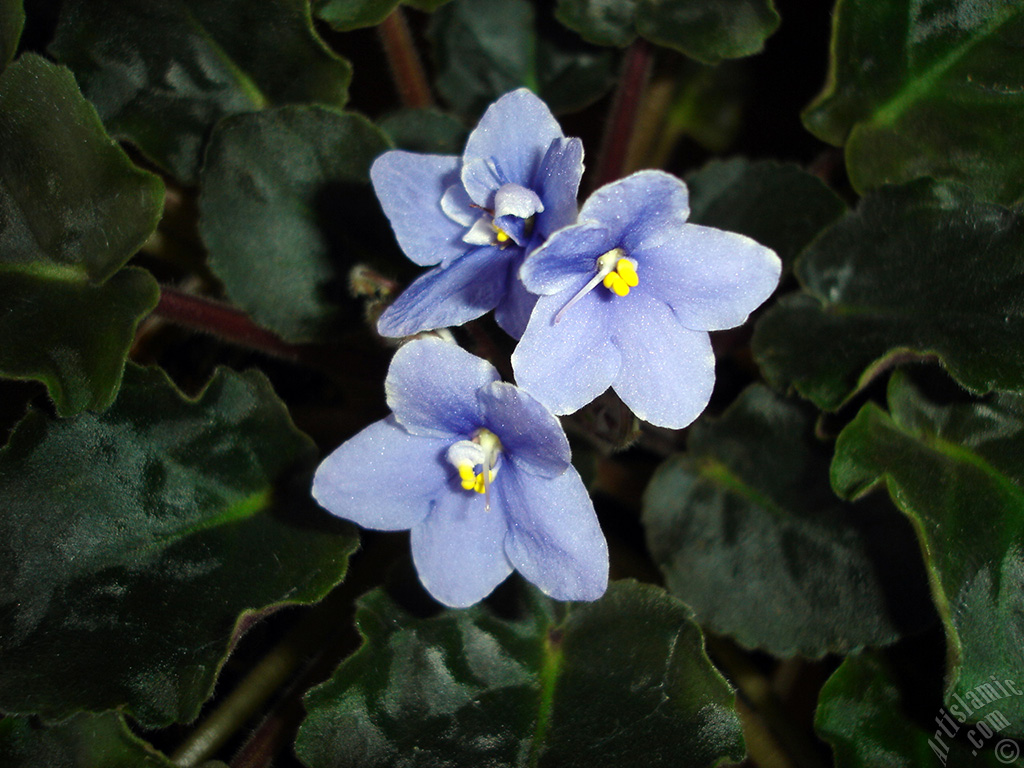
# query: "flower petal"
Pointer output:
{"type": "Point", "coordinates": [667, 371]}
{"type": "Point", "coordinates": [558, 185]}
{"type": "Point", "coordinates": [432, 388]}
{"type": "Point", "coordinates": [554, 539]}
{"type": "Point", "coordinates": [458, 549]}
{"type": "Point", "coordinates": [567, 364]}
{"type": "Point", "coordinates": [410, 188]}
{"type": "Point", "coordinates": [383, 478]}
{"type": "Point", "coordinates": [712, 279]}
{"type": "Point", "coordinates": [468, 288]}
{"type": "Point", "coordinates": [530, 435]}
{"type": "Point", "coordinates": [568, 258]}
{"type": "Point", "coordinates": [514, 309]}
{"type": "Point", "coordinates": [641, 203]}
{"type": "Point", "coordinates": [508, 145]}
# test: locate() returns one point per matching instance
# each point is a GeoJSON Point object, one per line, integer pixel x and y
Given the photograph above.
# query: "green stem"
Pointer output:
{"type": "Point", "coordinates": [406, 68]}
{"type": "Point", "coordinates": [550, 668]}
{"type": "Point", "coordinates": [636, 69]}
{"type": "Point", "coordinates": [232, 713]}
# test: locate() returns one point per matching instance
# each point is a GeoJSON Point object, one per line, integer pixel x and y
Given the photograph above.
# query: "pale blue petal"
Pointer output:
{"type": "Point", "coordinates": [444, 297]}
{"type": "Point", "coordinates": [508, 145]}
{"type": "Point", "coordinates": [668, 371]}
{"type": "Point", "coordinates": [459, 549]}
{"type": "Point", "coordinates": [531, 437]}
{"type": "Point", "coordinates": [458, 207]}
{"type": "Point", "coordinates": [633, 207]}
{"type": "Point", "coordinates": [554, 539]}
{"type": "Point", "coordinates": [432, 388]}
{"type": "Point", "coordinates": [383, 478]}
{"type": "Point", "coordinates": [712, 279]}
{"type": "Point", "coordinates": [514, 310]}
{"type": "Point", "coordinates": [567, 364]}
{"type": "Point", "coordinates": [558, 184]}
{"type": "Point", "coordinates": [410, 187]}
{"type": "Point", "coordinates": [567, 259]}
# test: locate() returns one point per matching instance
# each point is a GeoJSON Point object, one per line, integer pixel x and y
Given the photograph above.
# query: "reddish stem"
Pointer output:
{"type": "Point", "coordinates": [406, 67]}
{"type": "Point", "coordinates": [636, 68]}
{"type": "Point", "coordinates": [220, 320]}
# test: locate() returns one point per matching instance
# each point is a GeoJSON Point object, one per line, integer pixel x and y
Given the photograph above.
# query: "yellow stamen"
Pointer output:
{"type": "Point", "coordinates": [501, 235]}
{"type": "Point", "coordinates": [614, 283]}
{"type": "Point", "coordinates": [627, 271]}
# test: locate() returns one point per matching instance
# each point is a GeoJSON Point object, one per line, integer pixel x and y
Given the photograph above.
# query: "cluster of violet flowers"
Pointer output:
{"type": "Point", "coordinates": [621, 293]}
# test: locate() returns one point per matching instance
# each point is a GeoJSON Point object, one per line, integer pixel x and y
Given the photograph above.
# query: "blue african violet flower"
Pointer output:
{"type": "Point", "coordinates": [479, 472]}
{"type": "Point", "coordinates": [629, 295]}
{"type": "Point", "coordinates": [478, 215]}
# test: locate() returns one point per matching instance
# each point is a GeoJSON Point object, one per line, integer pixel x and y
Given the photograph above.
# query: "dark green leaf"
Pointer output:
{"type": "Point", "coordinates": [163, 72]}
{"type": "Point", "coordinates": [620, 680]}
{"type": "Point", "coordinates": [425, 130]}
{"type": "Point", "coordinates": [344, 15]}
{"type": "Point", "coordinates": [748, 532]}
{"type": "Point", "coordinates": [485, 48]}
{"type": "Point", "coordinates": [73, 210]}
{"type": "Point", "coordinates": [285, 207]}
{"type": "Point", "coordinates": [957, 471]}
{"type": "Point", "coordinates": [83, 741]}
{"type": "Point", "coordinates": [705, 30]}
{"type": "Point", "coordinates": [927, 89]}
{"type": "Point", "coordinates": [859, 714]}
{"type": "Point", "coordinates": [425, 5]}
{"type": "Point", "coordinates": [924, 269]}
{"type": "Point", "coordinates": [708, 30]}
{"type": "Point", "coordinates": [601, 23]}
{"type": "Point", "coordinates": [135, 544]}
{"type": "Point", "coordinates": [779, 205]}
{"type": "Point", "coordinates": [12, 19]}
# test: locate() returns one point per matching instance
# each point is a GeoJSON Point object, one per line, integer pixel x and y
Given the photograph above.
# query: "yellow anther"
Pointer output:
{"type": "Point", "coordinates": [468, 477]}
{"type": "Point", "coordinates": [614, 283]}
{"type": "Point", "coordinates": [501, 235]}
{"type": "Point", "coordinates": [627, 272]}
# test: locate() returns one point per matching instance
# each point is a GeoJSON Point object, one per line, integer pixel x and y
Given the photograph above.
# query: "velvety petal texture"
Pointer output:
{"type": "Point", "coordinates": [478, 216]}
{"type": "Point", "coordinates": [383, 478]}
{"type": "Point", "coordinates": [431, 388]}
{"type": "Point", "coordinates": [630, 293]}
{"type": "Point", "coordinates": [423, 467]}
{"type": "Point", "coordinates": [410, 188]}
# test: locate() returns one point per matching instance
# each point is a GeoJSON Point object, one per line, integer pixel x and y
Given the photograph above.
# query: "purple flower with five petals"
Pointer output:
{"type": "Point", "coordinates": [478, 215]}
{"type": "Point", "coordinates": [629, 295]}
{"type": "Point", "coordinates": [479, 472]}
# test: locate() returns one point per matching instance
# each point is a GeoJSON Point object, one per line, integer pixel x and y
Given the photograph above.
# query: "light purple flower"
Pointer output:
{"type": "Point", "coordinates": [629, 295]}
{"type": "Point", "coordinates": [478, 215]}
{"type": "Point", "coordinates": [479, 472]}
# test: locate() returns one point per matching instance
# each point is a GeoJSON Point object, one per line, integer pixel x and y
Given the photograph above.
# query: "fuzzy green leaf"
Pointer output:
{"type": "Point", "coordinates": [345, 15]}
{"type": "Point", "coordinates": [924, 269]}
{"type": "Point", "coordinates": [859, 714]}
{"type": "Point", "coordinates": [136, 544]}
{"type": "Point", "coordinates": [927, 89]}
{"type": "Point", "coordinates": [705, 30]}
{"type": "Point", "coordinates": [83, 741]}
{"type": "Point", "coordinates": [162, 73]}
{"type": "Point", "coordinates": [12, 19]}
{"type": "Point", "coordinates": [485, 48]}
{"type": "Point", "coordinates": [73, 210]}
{"type": "Point", "coordinates": [747, 532]}
{"type": "Point", "coordinates": [957, 472]}
{"type": "Point", "coordinates": [286, 210]}
{"type": "Point", "coordinates": [468, 688]}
